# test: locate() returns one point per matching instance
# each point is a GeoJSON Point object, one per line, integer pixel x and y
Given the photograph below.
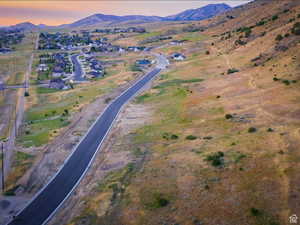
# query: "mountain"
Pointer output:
{"type": "Point", "coordinates": [192, 14]}
{"type": "Point", "coordinates": [201, 13]}
{"type": "Point", "coordinates": [24, 26]}
{"type": "Point", "coordinates": [100, 18]}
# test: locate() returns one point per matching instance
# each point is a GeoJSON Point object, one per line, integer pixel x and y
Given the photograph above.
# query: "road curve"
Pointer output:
{"type": "Point", "coordinates": [50, 198]}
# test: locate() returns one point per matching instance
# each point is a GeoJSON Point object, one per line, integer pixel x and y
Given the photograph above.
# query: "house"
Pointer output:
{"type": "Point", "coordinates": [178, 56]}
{"type": "Point", "coordinates": [96, 74]}
{"type": "Point", "coordinates": [57, 71]}
{"type": "Point", "coordinates": [58, 83]}
{"type": "Point", "coordinates": [177, 42]}
{"type": "Point", "coordinates": [42, 67]}
{"type": "Point", "coordinates": [5, 50]}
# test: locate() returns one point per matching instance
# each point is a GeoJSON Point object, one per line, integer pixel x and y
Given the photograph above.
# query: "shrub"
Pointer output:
{"type": "Point", "coordinates": [216, 159]}
{"type": "Point", "coordinates": [66, 111]}
{"type": "Point", "coordinates": [286, 82]}
{"type": "Point", "coordinates": [228, 116]}
{"type": "Point", "coordinates": [157, 201]}
{"type": "Point", "coordinates": [207, 52]}
{"type": "Point", "coordinates": [263, 33]}
{"type": "Point", "coordinates": [270, 130]}
{"type": "Point", "coordinates": [275, 79]}
{"type": "Point", "coordinates": [190, 137]}
{"type": "Point", "coordinates": [174, 137]}
{"type": "Point", "coordinates": [275, 17]}
{"type": "Point", "coordinates": [260, 23]}
{"type": "Point", "coordinates": [252, 130]}
{"type": "Point", "coordinates": [255, 212]}
{"type": "Point", "coordinates": [207, 138]}
{"type": "Point", "coordinates": [232, 70]}
{"type": "Point", "coordinates": [107, 100]}
{"type": "Point", "coordinates": [26, 94]}
{"type": "Point", "coordinates": [279, 37]}
{"type": "Point", "coordinates": [248, 33]}
{"type": "Point", "coordinates": [296, 28]}
{"type": "Point", "coordinates": [287, 35]}
{"type": "Point", "coordinates": [240, 42]}
{"type": "Point", "coordinates": [169, 136]}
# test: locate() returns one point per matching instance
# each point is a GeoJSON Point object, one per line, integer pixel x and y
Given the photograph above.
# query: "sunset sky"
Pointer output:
{"type": "Point", "coordinates": [66, 11]}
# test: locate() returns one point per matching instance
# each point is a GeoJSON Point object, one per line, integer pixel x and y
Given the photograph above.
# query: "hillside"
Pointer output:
{"type": "Point", "coordinates": [221, 143]}
{"type": "Point", "coordinates": [200, 13]}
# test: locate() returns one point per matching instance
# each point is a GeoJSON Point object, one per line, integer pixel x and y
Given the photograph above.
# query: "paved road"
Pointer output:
{"type": "Point", "coordinates": [45, 204]}
{"type": "Point", "coordinates": [78, 73]}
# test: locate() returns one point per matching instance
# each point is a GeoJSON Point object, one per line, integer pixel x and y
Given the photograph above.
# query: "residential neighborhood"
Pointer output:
{"type": "Point", "coordinates": [8, 38]}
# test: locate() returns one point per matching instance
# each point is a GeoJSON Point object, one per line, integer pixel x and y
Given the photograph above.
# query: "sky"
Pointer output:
{"type": "Point", "coordinates": [57, 12]}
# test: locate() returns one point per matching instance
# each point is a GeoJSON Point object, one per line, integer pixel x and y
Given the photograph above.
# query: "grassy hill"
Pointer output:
{"type": "Point", "coordinates": [222, 145]}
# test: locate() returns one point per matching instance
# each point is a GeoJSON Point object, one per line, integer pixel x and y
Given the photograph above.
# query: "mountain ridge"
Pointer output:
{"type": "Point", "coordinates": [201, 13]}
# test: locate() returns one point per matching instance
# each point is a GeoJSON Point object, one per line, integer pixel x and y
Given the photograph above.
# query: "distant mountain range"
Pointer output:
{"type": "Point", "coordinates": [202, 13]}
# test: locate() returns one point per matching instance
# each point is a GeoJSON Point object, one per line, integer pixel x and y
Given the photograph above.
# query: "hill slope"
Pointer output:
{"type": "Point", "coordinates": [200, 13]}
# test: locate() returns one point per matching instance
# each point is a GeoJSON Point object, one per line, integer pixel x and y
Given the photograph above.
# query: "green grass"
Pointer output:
{"type": "Point", "coordinates": [42, 90]}
{"type": "Point", "coordinates": [176, 82]}
{"type": "Point", "coordinates": [47, 115]}
{"type": "Point", "coordinates": [39, 132]}
{"type": "Point", "coordinates": [194, 36]}
{"type": "Point", "coordinates": [148, 35]}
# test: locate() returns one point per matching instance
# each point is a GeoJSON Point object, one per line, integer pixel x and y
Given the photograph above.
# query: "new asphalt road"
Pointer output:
{"type": "Point", "coordinates": [78, 73]}
{"type": "Point", "coordinates": [45, 204]}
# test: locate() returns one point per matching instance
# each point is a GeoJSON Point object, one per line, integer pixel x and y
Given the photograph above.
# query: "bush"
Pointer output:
{"type": "Point", "coordinates": [252, 130]}
{"type": "Point", "coordinates": [260, 23]}
{"type": "Point", "coordinates": [216, 159]}
{"type": "Point", "coordinates": [286, 82]}
{"type": "Point", "coordinates": [207, 52]}
{"type": "Point", "coordinates": [255, 212]}
{"type": "Point", "coordinates": [107, 100]}
{"type": "Point", "coordinates": [26, 94]}
{"type": "Point", "coordinates": [157, 201]}
{"type": "Point", "coordinates": [275, 79]}
{"type": "Point", "coordinates": [190, 137]}
{"type": "Point", "coordinates": [275, 17]}
{"type": "Point", "coordinates": [279, 37]}
{"type": "Point", "coordinates": [174, 137]}
{"type": "Point", "coordinates": [240, 42]}
{"type": "Point", "coordinates": [270, 130]}
{"type": "Point", "coordinates": [232, 70]}
{"type": "Point", "coordinates": [169, 136]}
{"type": "Point", "coordinates": [296, 29]}
{"type": "Point", "coordinates": [248, 33]}
{"type": "Point", "coordinates": [228, 116]}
